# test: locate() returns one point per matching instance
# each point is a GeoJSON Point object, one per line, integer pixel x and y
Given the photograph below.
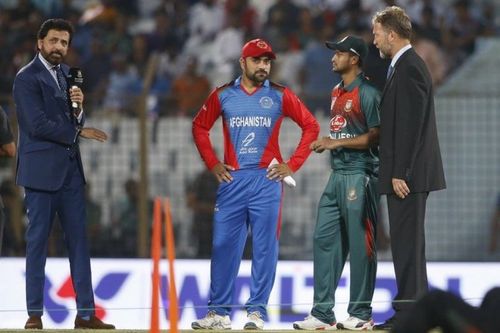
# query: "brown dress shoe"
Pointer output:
{"type": "Point", "coordinates": [93, 323]}
{"type": "Point", "coordinates": [33, 323]}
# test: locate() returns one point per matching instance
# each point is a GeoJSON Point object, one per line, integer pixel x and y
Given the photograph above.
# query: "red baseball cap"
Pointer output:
{"type": "Point", "coordinates": [257, 48]}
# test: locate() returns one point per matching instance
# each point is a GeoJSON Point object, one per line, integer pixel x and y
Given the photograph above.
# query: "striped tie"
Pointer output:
{"type": "Point", "coordinates": [390, 70]}
{"type": "Point", "coordinates": [63, 86]}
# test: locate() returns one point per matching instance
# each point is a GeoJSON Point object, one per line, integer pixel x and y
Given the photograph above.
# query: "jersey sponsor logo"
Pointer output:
{"type": "Point", "coordinates": [245, 149]}
{"type": "Point", "coordinates": [249, 150]}
{"type": "Point", "coordinates": [342, 135]}
{"type": "Point", "coordinates": [249, 139]}
{"type": "Point", "coordinates": [348, 105]}
{"type": "Point", "coordinates": [337, 123]}
{"type": "Point", "coordinates": [255, 121]}
{"type": "Point", "coordinates": [266, 102]}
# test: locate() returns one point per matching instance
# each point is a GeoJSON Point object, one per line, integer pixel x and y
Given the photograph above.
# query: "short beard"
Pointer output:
{"type": "Point", "coordinates": [255, 78]}
{"type": "Point", "coordinates": [383, 55]}
{"type": "Point", "coordinates": [52, 60]}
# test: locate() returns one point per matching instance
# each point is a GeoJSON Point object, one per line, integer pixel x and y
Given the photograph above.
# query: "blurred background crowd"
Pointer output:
{"type": "Point", "coordinates": [198, 43]}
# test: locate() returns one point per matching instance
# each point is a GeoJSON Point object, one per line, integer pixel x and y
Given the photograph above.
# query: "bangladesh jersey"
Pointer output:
{"type": "Point", "coordinates": [354, 110]}
{"type": "Point", "coordinates": [251, 123]}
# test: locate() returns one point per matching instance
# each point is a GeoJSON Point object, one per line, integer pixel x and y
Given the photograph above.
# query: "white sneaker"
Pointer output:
{"type": "Point", "coordinates": [212, 321]}
{"type": "Point", "coordinates": [313, 323]}
{"type": "Point", "coordinates": [254, 322]}
{"type": "Point", "coordinates": [356, 324]}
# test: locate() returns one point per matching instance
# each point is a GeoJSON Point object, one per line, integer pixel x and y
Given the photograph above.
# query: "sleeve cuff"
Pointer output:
{"type": "Point", "coordinates": [77, 134]}
{"type": "Point", "coordinates": [79, 116]}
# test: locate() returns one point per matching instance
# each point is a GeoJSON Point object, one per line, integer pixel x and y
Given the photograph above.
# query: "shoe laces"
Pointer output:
{"type": "Point", "coordinates": [255, 314]}
{"type": "Point", "coordinates": [211, 314]}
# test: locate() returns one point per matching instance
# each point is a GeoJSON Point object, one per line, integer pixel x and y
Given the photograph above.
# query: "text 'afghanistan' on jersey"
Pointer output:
{"type": "Point", "coordinates": [251, 124]}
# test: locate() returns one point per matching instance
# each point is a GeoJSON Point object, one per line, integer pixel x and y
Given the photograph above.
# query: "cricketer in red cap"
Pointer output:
{"type": "Point", "coordinates": [252, 109]}
{"type": "Point", "coordinates": [257, 48]}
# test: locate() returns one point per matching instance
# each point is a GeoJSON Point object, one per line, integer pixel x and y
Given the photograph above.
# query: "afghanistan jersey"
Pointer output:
{"type": "Point", "coordinates": [354, 110]}
{"type": "Point", "coordinates": [251, 123]}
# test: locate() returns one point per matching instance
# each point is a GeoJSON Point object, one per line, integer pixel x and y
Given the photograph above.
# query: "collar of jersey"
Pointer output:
{"type": "Point", "coordinates": [237, 82]}
{"type": "Point", "coordinates": [354, 84]}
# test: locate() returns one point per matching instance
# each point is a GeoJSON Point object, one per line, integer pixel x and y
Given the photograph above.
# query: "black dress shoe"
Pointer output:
{"type": "Point", "coordinates": [33, 323]}
{"type": "Point", "coordinates": [93, 323]}
{"type": "Point", "coordinates": [387, 325]}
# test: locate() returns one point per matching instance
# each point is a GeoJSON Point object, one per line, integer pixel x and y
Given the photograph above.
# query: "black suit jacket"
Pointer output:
{"type": "Point", "coordinates": [409, 147]}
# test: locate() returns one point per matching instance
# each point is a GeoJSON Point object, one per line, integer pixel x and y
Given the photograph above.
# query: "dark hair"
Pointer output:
{"type": "Point", "coordinates": [55, 24]}
{"type": "Point", "coordinates": [360, 61]}
{"type": "Point", "coordinates": [395, 19]}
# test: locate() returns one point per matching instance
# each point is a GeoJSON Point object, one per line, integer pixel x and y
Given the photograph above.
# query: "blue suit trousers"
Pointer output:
{"type": "Point", "coordinates": [69, 203]}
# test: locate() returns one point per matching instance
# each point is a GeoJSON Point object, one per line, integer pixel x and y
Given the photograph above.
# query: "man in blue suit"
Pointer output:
{"type": "Point", "coordinates": [49, 167]}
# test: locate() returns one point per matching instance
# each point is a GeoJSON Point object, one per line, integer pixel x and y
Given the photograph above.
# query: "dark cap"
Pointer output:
{"type": "Point", "coordinates": [257, 48]}
{"type": "Point", "coordinates": [351, 44]}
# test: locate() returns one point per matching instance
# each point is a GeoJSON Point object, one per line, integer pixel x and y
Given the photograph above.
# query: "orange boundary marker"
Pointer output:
{"type": "Point", "coordinates": [156, 257]}
{"type": "Point", "coordinates": [170, 247]}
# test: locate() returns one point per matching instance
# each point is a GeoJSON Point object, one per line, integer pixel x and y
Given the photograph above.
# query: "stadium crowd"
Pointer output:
{"type": "Point", "coordinates": [199, 41]}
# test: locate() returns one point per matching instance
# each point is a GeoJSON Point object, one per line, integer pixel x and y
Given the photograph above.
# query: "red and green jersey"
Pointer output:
{"type": "Point", "coordinates": [354, 110]}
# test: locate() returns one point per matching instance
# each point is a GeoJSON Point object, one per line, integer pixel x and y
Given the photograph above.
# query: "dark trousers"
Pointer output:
{"type": "Point", "coordinates": [345, 225]}
{"type": "Point", "coordinates": [406, 221]}
{"type": "Point", "coordinates": [452, 314]}
{"type": "Point", "coordinates": [69, 203]}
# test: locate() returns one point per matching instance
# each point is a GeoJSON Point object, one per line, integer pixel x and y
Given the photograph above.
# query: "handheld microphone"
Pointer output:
{"type": "Point", "coordinates": [75, 79]}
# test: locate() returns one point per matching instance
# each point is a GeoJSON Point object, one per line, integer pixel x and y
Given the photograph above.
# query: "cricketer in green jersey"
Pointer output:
{"type": "Point", "coordinates": [347, 210]}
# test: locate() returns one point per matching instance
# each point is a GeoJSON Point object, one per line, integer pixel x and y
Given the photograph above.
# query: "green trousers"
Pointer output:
{"type": "Point", "coordinates": [346, 224]}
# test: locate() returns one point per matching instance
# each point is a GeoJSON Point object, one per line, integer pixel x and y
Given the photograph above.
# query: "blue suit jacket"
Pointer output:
{"type": "Point", "coordinates": [46, 134]}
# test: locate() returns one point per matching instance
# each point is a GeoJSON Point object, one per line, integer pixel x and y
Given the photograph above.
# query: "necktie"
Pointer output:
{"type": "Point", "coordinates": [390, 70]}
{"type": "Point", "coordinates": [63, 85]}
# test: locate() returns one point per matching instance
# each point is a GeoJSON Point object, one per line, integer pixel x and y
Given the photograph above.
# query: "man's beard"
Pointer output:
{"type": "Point", "coordinates": [258, 78]}
{"type": "Point", "coordinates": [52, 57]}
{"type": "Point", "coordinates": [338, 70]}
{"type": "Point", "coordinates": [383, 55]}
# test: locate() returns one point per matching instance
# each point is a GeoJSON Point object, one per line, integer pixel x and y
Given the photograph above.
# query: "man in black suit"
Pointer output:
{"type": "Point", "coordinates": [410, 159]}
